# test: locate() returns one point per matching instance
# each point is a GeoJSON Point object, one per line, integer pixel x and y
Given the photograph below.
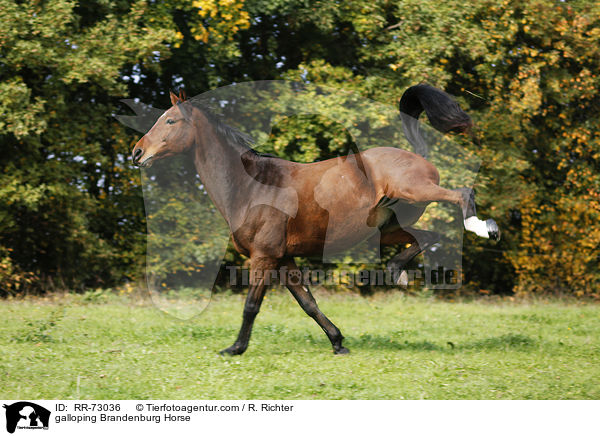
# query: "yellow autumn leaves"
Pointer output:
{"type": "Point", "coordinates": [219, 19]}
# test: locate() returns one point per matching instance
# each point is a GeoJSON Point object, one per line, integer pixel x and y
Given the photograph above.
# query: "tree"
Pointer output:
{"type": "Point", "coordinates": [526, 71]}
{"type": "Point", "coordinates": [69, 202]}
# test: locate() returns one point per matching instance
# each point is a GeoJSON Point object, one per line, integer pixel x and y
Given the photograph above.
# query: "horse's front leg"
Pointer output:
{"type": "Point", "coordinates": [261, 275]}
{"type": "Point", "coordinates": [293, 280]}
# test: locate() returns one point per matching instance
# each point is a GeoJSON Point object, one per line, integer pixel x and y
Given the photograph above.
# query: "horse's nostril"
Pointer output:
{"type": "Point", "coordinates": [137, 154]}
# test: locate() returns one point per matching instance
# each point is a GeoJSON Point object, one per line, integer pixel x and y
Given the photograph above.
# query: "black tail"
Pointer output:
{"type": "Point", "coordinates": [444, 114]}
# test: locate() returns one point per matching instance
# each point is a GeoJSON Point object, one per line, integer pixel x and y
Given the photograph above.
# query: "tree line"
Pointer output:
{"type": "Point", "coordinates": [71, 208]}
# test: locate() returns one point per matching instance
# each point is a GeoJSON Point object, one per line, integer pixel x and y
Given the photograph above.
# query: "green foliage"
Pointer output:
{"type": "Point", "coordinates": [70, 205]}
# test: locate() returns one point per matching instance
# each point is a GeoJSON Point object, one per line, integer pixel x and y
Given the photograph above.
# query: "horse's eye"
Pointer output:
{"type": "Point", "coordinates": [170, 121]}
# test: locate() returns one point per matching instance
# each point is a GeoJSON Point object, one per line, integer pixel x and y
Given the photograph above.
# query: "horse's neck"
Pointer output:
{"type": "Point", "coordinates": [219, 164]}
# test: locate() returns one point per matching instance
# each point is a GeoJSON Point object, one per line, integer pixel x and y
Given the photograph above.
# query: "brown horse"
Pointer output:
{"type": "Point", "coordinates": [291, 209]}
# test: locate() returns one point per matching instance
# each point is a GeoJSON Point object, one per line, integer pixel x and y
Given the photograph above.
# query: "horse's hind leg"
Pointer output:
{"type": "Point", "coordinates": [463, 197]}
{"type": "Point", "coordinates": [260, 275]}
{"type": "Point", "coordinates": [419, 241]}
{"type": "Point", "coordinates": [293, 281]}
{"type": "Point", "coordinates": [485, 229]}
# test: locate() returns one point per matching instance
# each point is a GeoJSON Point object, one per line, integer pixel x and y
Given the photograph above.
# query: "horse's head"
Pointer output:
{"type": "Point", "coordinates": [171, 134]}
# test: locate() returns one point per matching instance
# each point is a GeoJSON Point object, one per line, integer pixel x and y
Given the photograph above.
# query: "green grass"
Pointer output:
{"type": "Point", "coordinates": [401, 348]}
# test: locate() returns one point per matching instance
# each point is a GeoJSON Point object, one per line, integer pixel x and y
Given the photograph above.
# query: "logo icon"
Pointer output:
{"type": "Point", "coordinates": [26, 415]}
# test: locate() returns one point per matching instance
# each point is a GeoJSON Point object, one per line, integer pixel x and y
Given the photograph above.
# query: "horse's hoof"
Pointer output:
{"type": "Point", "coordinates": [341, 350]}
{"type": "Point", "coordinates": [493, 229]}
{"type": "Point", "coordinates": [232, 351]}
{"type": "Point", "coordinates": [403, 279]}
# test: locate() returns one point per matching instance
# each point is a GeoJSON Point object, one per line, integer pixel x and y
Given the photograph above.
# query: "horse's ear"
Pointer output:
{"type": "Point", "coordinates": [182, 96]}
{"type": "Point", "coordinates": [174, 98]}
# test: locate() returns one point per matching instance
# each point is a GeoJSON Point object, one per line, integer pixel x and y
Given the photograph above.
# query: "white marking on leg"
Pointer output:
{"type": "Point", "coordinates": [403, 279]}
{"type": "Point", "coordinates": [477, 226]}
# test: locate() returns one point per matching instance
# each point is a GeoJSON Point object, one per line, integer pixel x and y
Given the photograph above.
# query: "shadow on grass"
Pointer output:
{"type": "Point", "coordinates": [277, 334]}
{"type": "Point", "coordinates": [194, 332]}
{"type": "Point", "coordinates": [508, 341]}
{"type": "Point", "coordinates": [501, 342]}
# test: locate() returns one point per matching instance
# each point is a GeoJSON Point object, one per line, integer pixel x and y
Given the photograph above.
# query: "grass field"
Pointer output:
{"type": "Point", "coordinates": [109, 347]}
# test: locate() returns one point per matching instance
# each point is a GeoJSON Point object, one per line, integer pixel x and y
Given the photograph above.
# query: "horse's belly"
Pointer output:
{"type": "Point", "coordinates": [406, 214]}
{"type": "Point", "coordinates": [333, 232]}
